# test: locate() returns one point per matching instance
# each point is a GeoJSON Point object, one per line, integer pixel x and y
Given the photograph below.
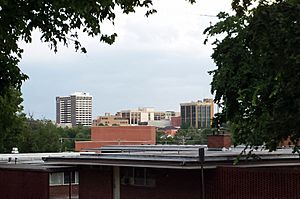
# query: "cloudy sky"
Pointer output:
{"type": "Point", "coordinates": [157, 62]}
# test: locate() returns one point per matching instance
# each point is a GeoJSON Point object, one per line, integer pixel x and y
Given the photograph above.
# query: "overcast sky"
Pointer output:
{"type": "Point", "coordinates": [158, 62]}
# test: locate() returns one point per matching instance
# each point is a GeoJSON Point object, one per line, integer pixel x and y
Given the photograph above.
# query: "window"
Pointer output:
{"type": "Point", "coordinates": [69, 176]}
{"type": "Point", "coordinates": [55, 179]}
{"type": "Point", "coordinates": [63, 178]}
{"type": "Point", "coordinates": [137, 177]}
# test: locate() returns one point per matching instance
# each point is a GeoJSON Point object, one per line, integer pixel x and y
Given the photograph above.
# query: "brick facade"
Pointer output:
{"type": "Point", "coordinates": [118, 135]}
{"type": "Point", "coordinates": [96, 183]}
{"type": "Point", "coordinates": [176, 121]}
{"type": "Point", "coordinates": [220, 183]}
{"type": "Point", "coordinates": [219, 141]}
{"type": "Point", "coordinates": [23, 184]}
{"type": "Point", "coordinates": [62, 191]}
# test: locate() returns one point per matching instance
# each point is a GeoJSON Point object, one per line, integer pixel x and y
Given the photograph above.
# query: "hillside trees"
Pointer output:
{"type": "Point", "coordinates": [256, 82]}
{"type": "Point", "coordinates": [44, 136]}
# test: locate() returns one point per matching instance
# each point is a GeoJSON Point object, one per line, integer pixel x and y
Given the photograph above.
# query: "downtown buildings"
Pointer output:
{"type": "Point", "coordinates": [74, 109]}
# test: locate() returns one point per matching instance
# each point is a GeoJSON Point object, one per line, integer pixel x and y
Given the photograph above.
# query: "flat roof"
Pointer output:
{"type": "Point", "coordinates": [174, 156]}
{"type": "Point", "coordinates": [41, 167]}
{"type": "Point", "coordinates": [34, 161]}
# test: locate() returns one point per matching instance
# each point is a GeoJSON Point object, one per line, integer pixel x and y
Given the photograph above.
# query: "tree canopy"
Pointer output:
{"type": "Point", "coordinates": [256, 82]}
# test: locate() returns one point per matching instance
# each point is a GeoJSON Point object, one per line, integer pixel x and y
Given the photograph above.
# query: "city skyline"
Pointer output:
{"type": "Point", "coordinates": [159, 61]}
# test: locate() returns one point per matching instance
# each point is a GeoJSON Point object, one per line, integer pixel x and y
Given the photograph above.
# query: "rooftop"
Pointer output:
{"type": "Point", "coordinates": [33, 161]}
{"type": "Point", "coordinates": [177, 157]}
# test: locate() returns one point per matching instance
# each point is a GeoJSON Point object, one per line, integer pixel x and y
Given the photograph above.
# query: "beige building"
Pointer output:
{"type": "Point", "coordinates": [197, 114]}
{"type": "Point", "coordinates": [136, 117]}
{"type": "Point", "coordinates": [165, 115]}
{"type": "Point", "coordinates": [110, 120]}
{"type": "Point", "coordinates": [146, 115]}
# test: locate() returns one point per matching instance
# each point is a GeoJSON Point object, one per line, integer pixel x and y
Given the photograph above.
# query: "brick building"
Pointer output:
{"type": "Point", "coordinates": [158, 172]}
{"type": "Point", "coordinates": [176, 121]}
{"type": "Point", "coordinates": [170, 172]}
{"type": "Point", "coordinates": [118, 135]}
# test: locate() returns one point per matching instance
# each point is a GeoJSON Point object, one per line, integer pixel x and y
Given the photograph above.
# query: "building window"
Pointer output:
{"type": "Point", "coordinates": [137, 177]}
{"type": "Point", "coordinates": [63, 178]}
{"type": "Point", "coordinates": [70, 176]}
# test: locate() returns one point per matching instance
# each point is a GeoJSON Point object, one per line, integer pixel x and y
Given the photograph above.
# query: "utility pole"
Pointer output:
{"type": "Point", "coordinates": [201, 160]}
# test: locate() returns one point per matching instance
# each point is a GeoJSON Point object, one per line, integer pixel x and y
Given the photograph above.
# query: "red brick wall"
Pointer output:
{"type": "Point", "coordinates": [95, 183]}
{"type": "Point", "coordinates": [176, 121]}
{"type": "Point", "coordinates": [170, 184]}
{"type": "Point", "coordinates": [126, 133]}
{"type": "Point", "coordinates": [96, 144]}
{"type": "Point", "coordinates": [255, 183]}
{"type": "Point", "coordinates": [20, 184]}
{"type": "Point", "coordinates": [118, 135]}
{"type": "Point", "coordinates": [218, 141]}
{"type": "Point", "coordinates": [63, 191]}
{"type": "Point", "coordinates": [220, 183]}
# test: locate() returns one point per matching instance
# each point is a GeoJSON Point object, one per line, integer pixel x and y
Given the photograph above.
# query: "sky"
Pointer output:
{"type": "Point", "coordinates": [158, 62]}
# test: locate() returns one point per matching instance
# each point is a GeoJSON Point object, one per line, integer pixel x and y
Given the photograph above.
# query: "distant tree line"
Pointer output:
{"type": "Point", "coordinates": [33, 135]}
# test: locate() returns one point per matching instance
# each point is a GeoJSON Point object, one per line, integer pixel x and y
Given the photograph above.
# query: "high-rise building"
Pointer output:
{"type": "Point", "coordinates": [197, 114]}
{"type": "Point", "coordinates": [74, 109]}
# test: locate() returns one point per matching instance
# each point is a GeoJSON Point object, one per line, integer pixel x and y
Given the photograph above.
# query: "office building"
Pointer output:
{"type": "Point", "coordinates": [197, 114]}
{"type": "Point", "coordinates": [74, 109]}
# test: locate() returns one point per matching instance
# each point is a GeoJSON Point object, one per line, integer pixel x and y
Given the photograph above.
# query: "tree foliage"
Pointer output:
{"type": "Point", "coordinates": [39, 136]}
{"type": "Point", "coordinates": [11, 120]}
{"type": "Point", "coordinates": [44, 136]}
{"type": "Point", "coordinates": [256, 82]}
{"type": "Point", "coordinates": [184, 136]}
{"type": "Point", "coordinates": [192, 136]}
